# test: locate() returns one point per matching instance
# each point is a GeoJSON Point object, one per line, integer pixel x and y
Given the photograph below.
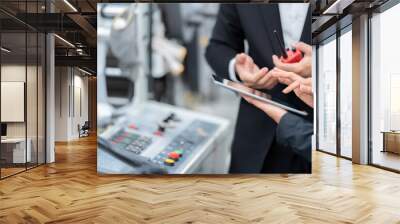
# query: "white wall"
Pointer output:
{"type": "Point", "coordinates": [80, 89]}
{"type": "Point", "coordinates": [33, 125]}
{"type": "Point", "coordinates": [12, 73]}
{"type": "Point", "coordinates": [61, 103]}
{"type": "Point", "coordinates": [71, 93]}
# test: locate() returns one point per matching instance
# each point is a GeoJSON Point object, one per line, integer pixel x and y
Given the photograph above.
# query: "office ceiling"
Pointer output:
{"type": "Point", "coordinates": [76, 23]}
{"type": "Point", "coordinates": [328, 13]}
{"type": "Point", "coordinates": [19, 54]}
{"type": "Point", "coordinates": [73, 21]}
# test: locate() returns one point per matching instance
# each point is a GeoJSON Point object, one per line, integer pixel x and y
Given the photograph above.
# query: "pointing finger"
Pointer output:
{"type": "Point", "coordinates": [291, 87]}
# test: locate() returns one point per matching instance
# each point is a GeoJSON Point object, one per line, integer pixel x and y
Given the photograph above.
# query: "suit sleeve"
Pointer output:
{"type": "Point", "coordinates": [295, 132]}
{"type": "Point", "coordinates": [226, 41]}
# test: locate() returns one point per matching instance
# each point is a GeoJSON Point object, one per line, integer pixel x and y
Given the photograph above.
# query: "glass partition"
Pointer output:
{"type": "Point", "coordinates": [346, 92]}
{"type": "Point", "coordinates": [13, 110]}
{"type": "Point", "coordinates": [22, 77]}
{"type": "Point", "coordinates": [385, 89]}
{"type": "Point", "coordinates": [327, 95]}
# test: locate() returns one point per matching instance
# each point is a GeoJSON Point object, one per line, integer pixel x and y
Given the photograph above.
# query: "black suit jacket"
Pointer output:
{"type": "Point", "coordinates": [294, 132]}
{"type": "Point", "coordinates": [254, 131]}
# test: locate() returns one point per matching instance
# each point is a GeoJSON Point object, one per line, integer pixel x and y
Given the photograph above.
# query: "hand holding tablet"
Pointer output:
{"type": "Point", "coordinates": [247, 92]}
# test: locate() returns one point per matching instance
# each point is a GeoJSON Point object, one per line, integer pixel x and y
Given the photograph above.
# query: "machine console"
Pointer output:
{"type": "Point", "coordinates": [172, 139]}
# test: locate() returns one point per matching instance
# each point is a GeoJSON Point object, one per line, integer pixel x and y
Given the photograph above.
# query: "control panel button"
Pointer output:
{"type": "Point", "coordinates": [119, 139]}
{"type": "Point", "coordinates": [173, 155]}
{"type": "Point", "coordinates": [158, 133]}
{"type": "Point", "coordinates": [161, 127]}
{"type": "Point", "coordinates": [169, 162]}
{"type": "Point", "coordinates": [132, 126]}
{"type": "Point", "coordinates": [179, 152]}
{"type": "Point", "coordinates": [131, 141]}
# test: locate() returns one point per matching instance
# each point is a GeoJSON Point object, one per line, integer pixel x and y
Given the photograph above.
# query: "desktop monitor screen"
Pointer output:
{"type": "Point", "coordinates": [3, 129]}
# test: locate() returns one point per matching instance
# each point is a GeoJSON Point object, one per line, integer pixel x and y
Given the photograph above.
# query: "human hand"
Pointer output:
{"type": "Point", "coordinates": [251, 75]}
{"type": "Point", "coordinates": [286, 77]}
{"type": "Point", "coordinates": [303, 67]}
{"type": "Point", "coordinates": [272, 111]}
{"type": "Point", "coordinates": [303, 90]}
{"type": "Point", "coordinates": [302, 87]}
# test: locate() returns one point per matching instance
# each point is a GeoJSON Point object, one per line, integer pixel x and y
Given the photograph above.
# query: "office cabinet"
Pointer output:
{"type": "Point", "coordinates": [391, 141]}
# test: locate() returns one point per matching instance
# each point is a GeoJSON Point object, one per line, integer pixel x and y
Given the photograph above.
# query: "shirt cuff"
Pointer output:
{"type": "Point", "coordinates": [232, 73]}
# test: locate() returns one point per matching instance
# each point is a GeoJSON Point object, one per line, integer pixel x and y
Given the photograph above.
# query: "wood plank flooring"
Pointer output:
{"type": "Point", "coordinates": [10, 171]}
{"type": "Point", "coordinates": [70, 191]}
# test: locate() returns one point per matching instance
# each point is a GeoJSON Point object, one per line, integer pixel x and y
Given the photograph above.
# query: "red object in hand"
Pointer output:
{"type": "Point", "coordinates": [293, 56]}
{"type": "Point", "coordinates": [288, 56]}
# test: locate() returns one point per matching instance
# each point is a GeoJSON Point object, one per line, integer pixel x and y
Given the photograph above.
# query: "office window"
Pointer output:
{"type": "Point", "coordinates": [385, 89]}
{"type": "Point", "coordinates": [327, 96]}
{"type": "Point", "coordinates": [346, 92]}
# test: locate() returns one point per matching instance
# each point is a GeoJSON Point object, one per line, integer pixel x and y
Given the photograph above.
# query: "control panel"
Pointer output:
{"type": "Point", "coordinates": [174, 139]}
{"type": "Point", "coordinates": [182, 146]}
{"type": "Point", "coordinates": [126, 140]}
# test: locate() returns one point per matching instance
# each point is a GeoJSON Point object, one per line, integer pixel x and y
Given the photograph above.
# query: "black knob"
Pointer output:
{"type": "Point", "coordinates": [171, 117]}
{"type": "Point", "coordinates": [161, 128]}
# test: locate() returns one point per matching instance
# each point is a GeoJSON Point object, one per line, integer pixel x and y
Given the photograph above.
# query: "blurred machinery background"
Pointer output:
{"type": "Point", "coordinates": [155, 95]}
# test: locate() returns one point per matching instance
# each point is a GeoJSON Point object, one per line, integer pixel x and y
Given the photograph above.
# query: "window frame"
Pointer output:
{"type": "Point", "coordinates": [347, 27]}
{"type": "Point", "coordinates": [381, 9]}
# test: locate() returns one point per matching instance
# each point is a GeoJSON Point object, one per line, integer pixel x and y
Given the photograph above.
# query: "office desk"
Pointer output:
{"type": "Point", "coordinates": [13, 150]}
{"type": "Point", "coordinates": [391, 141]}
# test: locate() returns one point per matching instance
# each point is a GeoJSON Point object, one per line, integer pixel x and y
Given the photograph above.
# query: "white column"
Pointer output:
{"type": "Point", "coordinates": [50, 99]}
{"type": "Point", "coordinates": [360, 90]}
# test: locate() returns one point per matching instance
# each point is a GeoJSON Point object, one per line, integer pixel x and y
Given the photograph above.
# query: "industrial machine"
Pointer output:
{"type": "Point", "coordinates": [177, 140]}
{"type": "Point", "coordinates": [143, 136]}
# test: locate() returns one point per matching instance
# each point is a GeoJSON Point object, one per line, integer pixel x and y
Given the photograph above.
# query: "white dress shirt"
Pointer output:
{"type": "Point", "coordinates": [293, 16]}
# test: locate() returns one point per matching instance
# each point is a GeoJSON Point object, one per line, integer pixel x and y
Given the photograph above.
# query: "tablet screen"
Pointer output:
{"type": "Point", "coordinates": [239, 88]}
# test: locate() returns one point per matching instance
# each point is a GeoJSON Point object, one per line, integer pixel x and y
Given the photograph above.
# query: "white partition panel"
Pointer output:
{"type": "Point", "coordinates": [12, 101]}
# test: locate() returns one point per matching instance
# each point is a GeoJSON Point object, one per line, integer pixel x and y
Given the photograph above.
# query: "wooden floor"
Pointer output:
{"type": "Point", "coordinates": [10, 171]}
{"type": "Point", "coordinates": [387, 159]}
{"type": "Point", "coordinates": [70, 191]}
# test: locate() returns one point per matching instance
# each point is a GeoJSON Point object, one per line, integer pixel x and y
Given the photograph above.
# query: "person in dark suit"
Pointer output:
{"type": "Point", "coordinates": [254, 148]}
{"type": "Point", "coordinates": [293, 131]}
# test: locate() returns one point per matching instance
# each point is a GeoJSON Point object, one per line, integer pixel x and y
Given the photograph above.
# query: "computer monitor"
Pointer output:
{"type": "Point", "coordinates": [3, 129]}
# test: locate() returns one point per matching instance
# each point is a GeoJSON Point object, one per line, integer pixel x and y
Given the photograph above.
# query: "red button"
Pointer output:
{"type": "Point", "coordinates": [159, 133]}
{"type": "Point", "coordinates": [132, 126]}
{"type": "Point", "coordinates": [179, 152]}
{"type": "Point", "coordinates": [173, 155]}
{"type": "Point", "coordinates": [119, 138]}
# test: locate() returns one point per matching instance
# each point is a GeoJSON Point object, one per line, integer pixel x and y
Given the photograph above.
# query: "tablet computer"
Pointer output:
{"type": "Point", "coordinates": [227, 84]}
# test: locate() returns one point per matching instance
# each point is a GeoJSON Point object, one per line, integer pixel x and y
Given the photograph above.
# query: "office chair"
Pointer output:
{"type": "Point", "coordinates": [84, 130]}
